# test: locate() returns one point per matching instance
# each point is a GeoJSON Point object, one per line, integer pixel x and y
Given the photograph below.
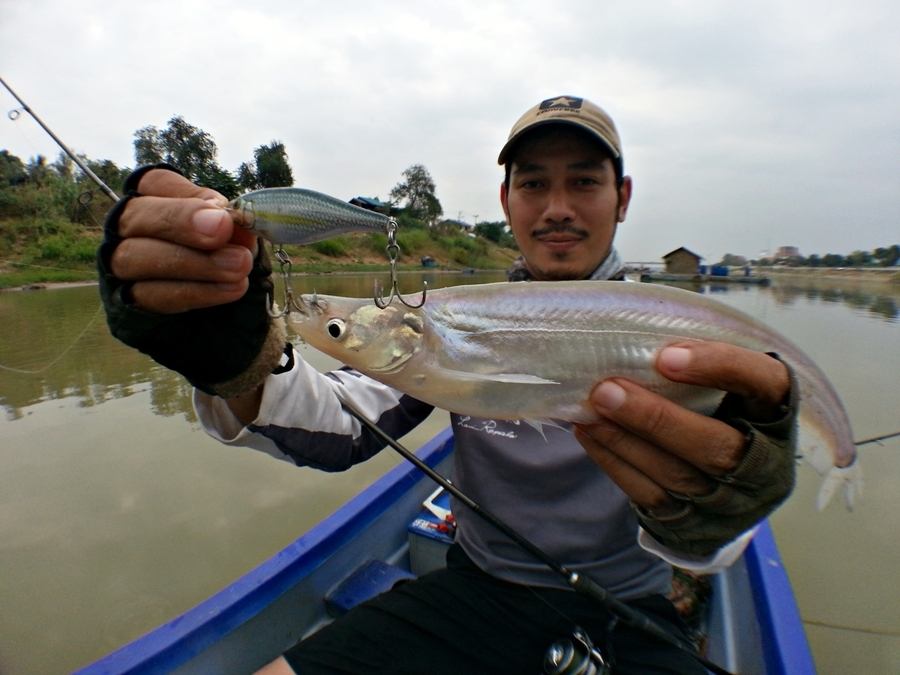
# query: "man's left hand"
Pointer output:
{"type": "Point", "coordinates": [698, 482]}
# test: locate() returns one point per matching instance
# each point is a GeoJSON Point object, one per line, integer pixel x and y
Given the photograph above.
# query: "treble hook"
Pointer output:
{"type": "Point", "coordinates": [393, 251]}
{"type": "Point", "coordinates": [291, 303]}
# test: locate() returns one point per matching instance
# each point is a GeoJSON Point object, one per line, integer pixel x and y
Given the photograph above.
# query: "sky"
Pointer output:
{"type": "Point", "coordinates": [745, 126]}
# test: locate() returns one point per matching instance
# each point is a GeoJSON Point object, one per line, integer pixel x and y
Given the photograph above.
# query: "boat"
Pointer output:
{"type": "Point", "coordinates": [384, 534]}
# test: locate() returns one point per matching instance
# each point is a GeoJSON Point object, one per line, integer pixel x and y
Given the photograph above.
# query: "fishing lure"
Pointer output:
{"type": "Point", "coordinates": [290, 215]}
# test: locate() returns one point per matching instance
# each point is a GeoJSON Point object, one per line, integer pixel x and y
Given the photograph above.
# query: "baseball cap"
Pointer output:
{"type": "Point", "coordinates": [572, 110]}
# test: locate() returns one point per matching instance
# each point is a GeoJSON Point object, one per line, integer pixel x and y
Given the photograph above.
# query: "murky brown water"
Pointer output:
{"type": "Point", "coordinates": [117, 512]}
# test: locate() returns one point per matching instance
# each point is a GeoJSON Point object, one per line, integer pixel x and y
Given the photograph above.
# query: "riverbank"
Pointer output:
{"type": "Point", "coordinates": [835, 275]}
{"type": "Point", "coordinates": [15, 281]}
{"type": "Point", "coordinates": [19, 277]}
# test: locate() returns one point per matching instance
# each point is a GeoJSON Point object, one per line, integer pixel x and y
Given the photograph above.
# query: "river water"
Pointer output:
{"type": "Point", "coordinates": [117, 512]}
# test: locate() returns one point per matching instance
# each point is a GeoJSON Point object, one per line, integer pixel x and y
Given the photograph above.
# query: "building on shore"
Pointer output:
{"type": "Point", "coordinates": [682, 261]}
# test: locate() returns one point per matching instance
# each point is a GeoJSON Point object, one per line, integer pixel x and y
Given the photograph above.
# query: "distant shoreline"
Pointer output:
{"type": "Point", "coordinates": [842, 275]}
{"type": "Point", "coordinates": [877, 275]}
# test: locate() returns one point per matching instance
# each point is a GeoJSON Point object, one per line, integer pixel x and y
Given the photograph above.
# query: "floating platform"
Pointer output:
{"type": "Point", "coordinates": [705, 278]}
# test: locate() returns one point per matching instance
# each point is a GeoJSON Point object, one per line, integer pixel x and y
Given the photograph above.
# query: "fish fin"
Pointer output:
{"type": "Point", "coordinates": [538, 425]}
{"type": "Point", "coordinates": [508, 378]}
{"type": "Point", "coordinates": [848, 478]}
{"type": "Point", "coordinates": [819, 458]}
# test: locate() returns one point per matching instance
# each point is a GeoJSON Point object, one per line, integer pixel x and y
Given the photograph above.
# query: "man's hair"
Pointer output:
{"type": "Point", "coordinates": [548, 129]}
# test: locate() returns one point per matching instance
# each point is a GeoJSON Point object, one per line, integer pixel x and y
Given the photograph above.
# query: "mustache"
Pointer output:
{"type": "Point", "coordinates": [562, 228]}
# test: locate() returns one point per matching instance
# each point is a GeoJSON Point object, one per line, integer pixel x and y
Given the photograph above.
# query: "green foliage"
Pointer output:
{"type": "Point", "coordinates": [377, 242]}
{"type": "Point", "coordinates": [12, 171]}
{"type": "Point", "coordinates": [61, 242]}
{"type": "Point", "coordinates": [246, 177]}
{"type": "Point", "coordinates": [333, 248]}
{"type": "Point", "coordinates": [497, 233]}
{"type": "Point", "coordinates": [493, 231]}
{"type": "Point", "coordinates": [417, 189]}
{"type": "Point", "coordinates": [189, 149]}
{"type": "Point", "coordinates": [731, 260]}
{"type": "Point", "coordinates": [407, 221]}
{"type": "Point", "coordinates": [272, 168]}
{"type": "Point", "coordinates": [413, 241]}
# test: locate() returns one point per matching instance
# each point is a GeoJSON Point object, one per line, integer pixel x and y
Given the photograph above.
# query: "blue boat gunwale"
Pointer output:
{"type": "Point", "coordinates": [180, 639]}
{"type": "Point", "coordinates": [785, 648]}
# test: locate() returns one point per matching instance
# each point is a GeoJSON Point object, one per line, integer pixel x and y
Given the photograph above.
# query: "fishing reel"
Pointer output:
{"type": "Point", "coordinates": [575, 656]}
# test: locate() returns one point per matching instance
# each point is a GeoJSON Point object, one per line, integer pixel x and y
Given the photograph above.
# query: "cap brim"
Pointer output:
{"type": "Point", "coordinates": [513, 140]}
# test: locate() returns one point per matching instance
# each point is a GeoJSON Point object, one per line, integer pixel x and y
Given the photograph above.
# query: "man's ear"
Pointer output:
{"type": "Point", "coordinates": [504, 200]}
{"type": "Point", "coordinates": [624, 197]}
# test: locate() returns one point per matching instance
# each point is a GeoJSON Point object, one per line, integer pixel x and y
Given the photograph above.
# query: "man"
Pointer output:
{"type": "Point", "coordinates": [615, 500]}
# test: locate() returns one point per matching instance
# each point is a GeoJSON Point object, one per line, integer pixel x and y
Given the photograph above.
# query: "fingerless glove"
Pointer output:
{"type": "Point", "coordinates": [223, 350]}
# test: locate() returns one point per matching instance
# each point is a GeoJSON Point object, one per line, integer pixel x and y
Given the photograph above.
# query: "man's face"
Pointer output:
{"type": "Point", "coordinates": [563, 204]}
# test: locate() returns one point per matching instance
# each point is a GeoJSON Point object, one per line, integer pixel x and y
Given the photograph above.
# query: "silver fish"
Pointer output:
{"type": "Point", "coordinates": [291, 215]}
{"type": "Point", "coordinates": [534, 351]}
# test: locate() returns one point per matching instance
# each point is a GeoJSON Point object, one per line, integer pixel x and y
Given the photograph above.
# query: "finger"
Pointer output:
{"type": "Point", "coordinates": [640, 489]}
{"type": "Point", "coordinates": [171, 297]}
{"type": "Point", "coordinates": [164, 183]}
{"type": "Point", "coordinates": [662, 467]}
{"type": "Point", "coordinates": [727, 367]}
{"type": "Point", "coordinates": [190, 221]}
{"type": "Point", "coordinates": [153, 259]}
{"type": "Point", "coordinates": [710, 445]}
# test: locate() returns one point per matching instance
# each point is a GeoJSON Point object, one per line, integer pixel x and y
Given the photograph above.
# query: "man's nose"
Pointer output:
{"type": "Point", "coordinates": [559, 207]}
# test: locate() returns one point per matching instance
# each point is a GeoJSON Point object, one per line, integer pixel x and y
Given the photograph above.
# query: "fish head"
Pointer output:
{"type": "Point", "coordinates": [360, 334]}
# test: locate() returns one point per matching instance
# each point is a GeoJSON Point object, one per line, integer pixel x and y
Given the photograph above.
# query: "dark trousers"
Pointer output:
{"type": "Point", "coordinates": [461, 621]}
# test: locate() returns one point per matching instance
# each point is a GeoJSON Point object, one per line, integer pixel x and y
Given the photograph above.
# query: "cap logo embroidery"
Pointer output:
{"type": "Point", "coordinates": [561, 103]}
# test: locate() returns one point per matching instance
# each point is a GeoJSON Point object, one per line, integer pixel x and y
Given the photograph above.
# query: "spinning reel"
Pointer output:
{"type": "Point", "coordinates": [575, 656]}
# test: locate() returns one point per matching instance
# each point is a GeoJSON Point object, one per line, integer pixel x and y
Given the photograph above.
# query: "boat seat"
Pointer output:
{"type": "Point", "coordinates": [371, 578]}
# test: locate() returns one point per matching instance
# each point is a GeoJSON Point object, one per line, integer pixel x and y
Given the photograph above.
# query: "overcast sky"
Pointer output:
{"type": "Point", "coordinates": [746, 126]}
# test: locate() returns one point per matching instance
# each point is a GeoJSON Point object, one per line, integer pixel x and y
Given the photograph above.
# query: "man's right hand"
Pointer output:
{"type": "Point", "coordinates": [181, 283]}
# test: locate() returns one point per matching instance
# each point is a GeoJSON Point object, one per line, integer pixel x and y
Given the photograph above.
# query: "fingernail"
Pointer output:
{"type": "Point", "coordinates": [675, 358]}
{"type": "Point", "coordinates": [608, 396]}
{"type": "Point", "coordinates": [208, 221]}
{"type": "Point", "coordinates": [229, 258]}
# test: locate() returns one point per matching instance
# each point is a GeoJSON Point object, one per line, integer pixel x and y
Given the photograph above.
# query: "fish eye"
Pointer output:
{"type": "Point", "coordinates": [335, 328]}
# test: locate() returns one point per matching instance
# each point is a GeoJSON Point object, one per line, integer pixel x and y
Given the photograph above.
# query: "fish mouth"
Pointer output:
{"type": "Point", "coordinates": [392, 366]}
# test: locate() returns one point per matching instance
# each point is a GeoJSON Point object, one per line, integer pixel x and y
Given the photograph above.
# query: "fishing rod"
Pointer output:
{"type": "Point", "coordinates": [876, 439]}
{"type": "Point", "coordinates": [581, 584]}
{"type": "Point", "coordinates": [14, 114]}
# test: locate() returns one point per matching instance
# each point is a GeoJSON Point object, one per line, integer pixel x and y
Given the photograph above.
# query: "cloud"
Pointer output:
{"type": "Point", "coordinates": [745, 126]}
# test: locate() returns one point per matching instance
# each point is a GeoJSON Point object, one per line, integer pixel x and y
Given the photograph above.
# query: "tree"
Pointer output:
{"type": "Point", "coordinates": [189, 149]}
{"type": "Point", "coordinates": [417, 188]}
{"type": "Point", "coordinates": [37, 170]}
{"type": "Point", "coordinates": [246, 177]}
{"type": "Point", "coordinates": [220, 180]}
{"type": "Point", "coordinates": [148, 147]}
{"type": "Point", "coordinates": [492, 231]}
{"type": "Point", "coordinates": [887, 257]}
{"type": "Point", "coordinates": [65, 167]}
{"type": "Point", "coordinates": [732, 260]}
{"type": "Point", "coordinates": [12, 170]}
{"type": "Point", "coordinates": [272, 168]}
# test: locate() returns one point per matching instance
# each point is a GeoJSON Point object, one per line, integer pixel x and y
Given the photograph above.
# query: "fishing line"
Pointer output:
{"type": "Point", "coordinates": [579, 583]}
{"type": "Point", "coordinates": [59, 357]}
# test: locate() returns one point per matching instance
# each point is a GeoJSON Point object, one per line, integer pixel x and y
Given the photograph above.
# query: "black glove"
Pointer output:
{"type": "Point", "coordinates": [743, 497]}
{"type": "Point", "coordinates": [223, 350]}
